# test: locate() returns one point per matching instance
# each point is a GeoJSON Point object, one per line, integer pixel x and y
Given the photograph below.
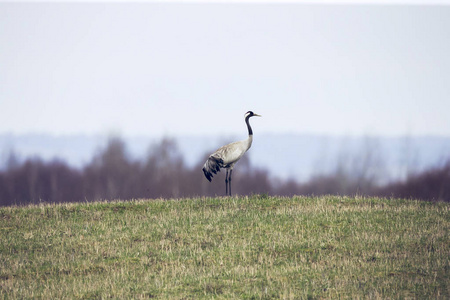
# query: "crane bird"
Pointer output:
{"type": "Point", "coordinates": [227, 156]}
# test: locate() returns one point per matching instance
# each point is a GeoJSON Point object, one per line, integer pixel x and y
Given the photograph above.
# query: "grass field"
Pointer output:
{"type": "Point", "coordinates": [244, 247]}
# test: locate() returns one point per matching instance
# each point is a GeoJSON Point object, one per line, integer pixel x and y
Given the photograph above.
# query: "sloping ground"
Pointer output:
{"type": "Point", "coordinates": [249, 247]}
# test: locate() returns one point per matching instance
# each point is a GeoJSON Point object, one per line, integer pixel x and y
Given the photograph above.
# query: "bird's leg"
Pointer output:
{"type": "Point", "coordinates": [229, 181]}
{"type": "Point", "coordinates": [226, 183]}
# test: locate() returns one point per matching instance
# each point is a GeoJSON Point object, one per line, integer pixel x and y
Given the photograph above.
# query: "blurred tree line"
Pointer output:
{"type": "Point", "coordinates": [112, 174]}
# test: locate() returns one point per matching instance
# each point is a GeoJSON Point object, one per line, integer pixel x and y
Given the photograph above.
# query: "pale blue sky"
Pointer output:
{"type": "Point", "coordinates": [196, 68]}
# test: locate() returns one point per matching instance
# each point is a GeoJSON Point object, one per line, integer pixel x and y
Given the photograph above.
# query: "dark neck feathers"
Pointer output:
{"type": "Point", "coordinates": [250, 131]}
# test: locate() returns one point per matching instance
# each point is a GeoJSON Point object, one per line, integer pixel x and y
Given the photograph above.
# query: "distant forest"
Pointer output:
{"type": "Point", "coordinates": [112, 175]}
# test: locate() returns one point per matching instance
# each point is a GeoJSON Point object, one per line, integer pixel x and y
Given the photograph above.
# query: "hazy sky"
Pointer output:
{"type": "Point", "coordinates": [196, 68]}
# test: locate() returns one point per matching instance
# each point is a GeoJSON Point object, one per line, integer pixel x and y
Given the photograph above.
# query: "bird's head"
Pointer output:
{"type": "Point", "coordinates": [251, 114]}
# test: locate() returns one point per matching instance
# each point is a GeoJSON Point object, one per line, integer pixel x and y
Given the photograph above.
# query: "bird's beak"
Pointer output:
{"type": "Point", "coordinates": [256, 115]}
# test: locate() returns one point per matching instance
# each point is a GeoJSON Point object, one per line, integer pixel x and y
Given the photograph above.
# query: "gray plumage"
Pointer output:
{"type": "Point", "coordinates": [227, 156]}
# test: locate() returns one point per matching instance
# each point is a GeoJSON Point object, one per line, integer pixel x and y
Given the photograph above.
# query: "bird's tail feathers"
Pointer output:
{"type": "Point", "coordinates": [212, 165]}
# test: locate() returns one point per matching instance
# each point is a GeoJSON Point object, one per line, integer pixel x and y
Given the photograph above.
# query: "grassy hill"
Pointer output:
{"type": "Point", "coordinates": [242, 247]}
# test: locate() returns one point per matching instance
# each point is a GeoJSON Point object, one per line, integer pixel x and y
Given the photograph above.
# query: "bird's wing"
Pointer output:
{"type": "Point", "coordinates": [212, 165]}
{"type": "Point", "coordinates": [231, 153]}
{"type": "Point", "coordinates": [224, 157]}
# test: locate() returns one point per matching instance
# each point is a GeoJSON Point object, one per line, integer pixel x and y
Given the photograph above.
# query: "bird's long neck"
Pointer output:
{"type": "Point", "coordinates": [250, 131]}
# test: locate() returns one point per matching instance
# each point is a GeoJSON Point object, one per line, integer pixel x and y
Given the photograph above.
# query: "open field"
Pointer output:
{"type": "Point", "coordinates": [240, 247]}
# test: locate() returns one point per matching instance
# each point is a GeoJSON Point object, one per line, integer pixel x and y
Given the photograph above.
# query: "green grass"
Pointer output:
{"type": "Point", "coordinates": [244, 247]}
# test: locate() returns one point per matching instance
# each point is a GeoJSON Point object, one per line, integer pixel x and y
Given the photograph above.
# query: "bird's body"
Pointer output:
{"type": "Point", "coordinates": [227, 156]}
